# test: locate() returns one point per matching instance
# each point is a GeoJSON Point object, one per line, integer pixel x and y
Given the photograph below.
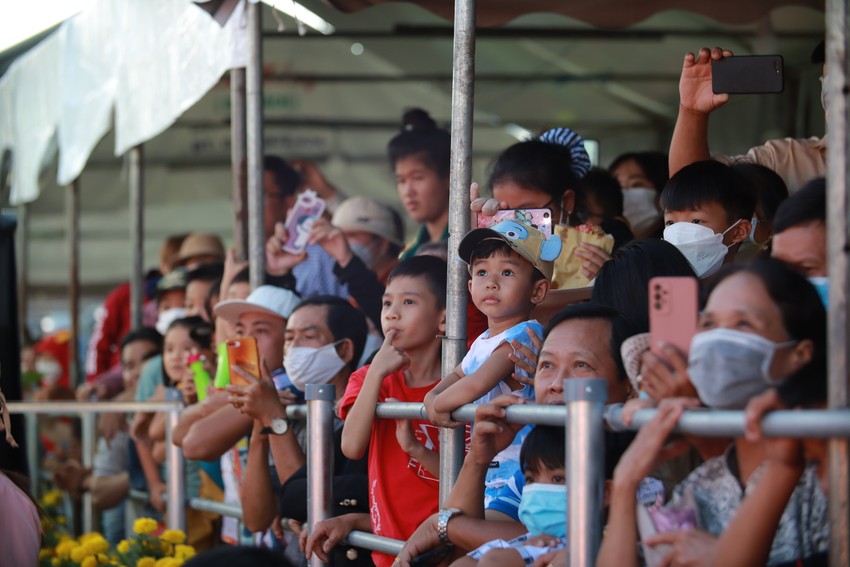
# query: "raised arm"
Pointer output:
{"type": "Point", "coordinates": [696, 102]}
{"type": "Point", "coordinates": [497, 368]}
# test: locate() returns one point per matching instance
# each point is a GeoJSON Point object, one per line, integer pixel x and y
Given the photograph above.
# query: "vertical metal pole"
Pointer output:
{"type": "Point", "coordinates": [88, 447]}
{"type": "Point", "coordinates": [454, 343]}
{"type": "Point", "coordinates": [72, 206]}
{"type": "Point", "coordinates": [838, 173]}
{"type": "Point", "coordinates": [238, 163]}
{"type": "Point", "coordinates": [320, 454]}
{"type": "Point", "coordinates": [254, 125]}
{"type": "Point", "coordinates": [137, 241]}
{"type": "Point", "coordinates": [22, 261]}
{"type": "Point", "coordinates": [585, 399]}
{"type": "Point", "coordinates": [176, 505]}
{"type": "Point", "coordinates": [33, 462]}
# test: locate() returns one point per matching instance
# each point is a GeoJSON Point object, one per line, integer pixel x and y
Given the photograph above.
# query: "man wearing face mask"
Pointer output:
{"type": "Point", "coordinates": [795, 160]}
{"type": "Point", "coordinates": [800, 234]}
{"type": "Point", "coordinates": [364, 237]}
{"type": "Point", "coordinates": [324, 339]}
{"type": "Point", "coordinates": [707, 214]}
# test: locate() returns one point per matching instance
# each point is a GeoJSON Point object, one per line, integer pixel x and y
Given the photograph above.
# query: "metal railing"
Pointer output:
{"type": "Point", "coordinates": [584, 414]}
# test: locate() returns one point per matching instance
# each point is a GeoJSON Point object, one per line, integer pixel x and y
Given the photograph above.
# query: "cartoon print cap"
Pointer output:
{"type": "Point", "coordinates": [524, 239]}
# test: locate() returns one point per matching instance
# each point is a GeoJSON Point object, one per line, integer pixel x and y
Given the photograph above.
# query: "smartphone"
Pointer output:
{"type": "Point", "coordinates": [308, 207]}
{"type": "Point", "coordinates": [541, 219]}
{"type": "Point", "coordinates": [242, 352]}
{"type": "Point", "coordinates": [751, 74]}
{"type": "Point", "coordinates": [672, 312]}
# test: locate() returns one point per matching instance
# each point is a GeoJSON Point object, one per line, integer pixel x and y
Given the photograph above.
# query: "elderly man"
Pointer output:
{"type": "Point", "coordinates": [582, 341]}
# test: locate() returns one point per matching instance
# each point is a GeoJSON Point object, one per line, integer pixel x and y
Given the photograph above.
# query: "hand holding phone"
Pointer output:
{"type": "Point", "coordinates": [242, 352]}
{"type": "Point", "coordinates": [308, 207]}
{"type": "Point", "coordinates": [753, 74]}
{"type": "Point", "coordinates": [541, 219]}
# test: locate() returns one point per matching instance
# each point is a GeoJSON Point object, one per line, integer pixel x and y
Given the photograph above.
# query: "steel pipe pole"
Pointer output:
{"type": "Point", "coordinates": [176, 491]}
{"type": "Point", "coordinates": [320, 455]}
{"type": "Point", "coordinates": [72, 235]}
{"type": "Point", "coordinates": [22, 261]}
{"type": "Point", "coordinates": [585, 462]}
{"type": "Point", "coordinates": [33, 462]}
{"type": "Point", "coordinates": [238, 162]}
{"type": "Point", "coordinates": [838, 173]}
{"type": "Point", "coordinates": [254, 145]}
{"type": "Point", "coordinates": [460, 177]}
{"type": "Point", "coordinates": [89, 442]}
{"type": "Point", "coordinates": [137, 236]}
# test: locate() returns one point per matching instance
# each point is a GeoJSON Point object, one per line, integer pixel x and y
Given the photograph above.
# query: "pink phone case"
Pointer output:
{"type": "Point", "coordinates": [308, 207]}
{"type": "Point", "coordinates": [672, 312]}
{"type": "Point", "coordinates": [541, 219]}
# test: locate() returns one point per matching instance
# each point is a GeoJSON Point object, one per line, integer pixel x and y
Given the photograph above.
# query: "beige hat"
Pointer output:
{"type": "Point", "coordinates": [201, 244]}
{"type": "Point", "coordinates": [632, 351]}
{"type": "Point", "coordinates": [368, 215]}
{"type": "Point", "coordinates": [525, 240]}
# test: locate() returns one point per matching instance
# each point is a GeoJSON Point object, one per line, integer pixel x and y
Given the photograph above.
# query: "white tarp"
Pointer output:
{"type": "Point", "coordinates": [146, 60]}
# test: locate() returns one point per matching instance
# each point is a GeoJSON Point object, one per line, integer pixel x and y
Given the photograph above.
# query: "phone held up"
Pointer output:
{"type": "Point", "coordinates": [242, 352]}
{"type": "Point", "coordinates": [751, 74]}
{"type": "Point", "coordinates": [308, 207]}
{"type": "Point", "coordinates": [672, 312]}
{"type": "Point", "coordinates": [541, 219]}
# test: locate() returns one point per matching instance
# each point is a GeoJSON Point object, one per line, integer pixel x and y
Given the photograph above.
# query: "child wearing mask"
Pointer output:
{"type": "Point", "coordinates": [403, 456]}
{"type": "Point", "coordinates": [708, 209]}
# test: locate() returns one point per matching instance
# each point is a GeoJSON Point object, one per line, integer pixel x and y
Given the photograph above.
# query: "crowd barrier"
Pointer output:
{"type": "Point", "coordinates": [584, 414]}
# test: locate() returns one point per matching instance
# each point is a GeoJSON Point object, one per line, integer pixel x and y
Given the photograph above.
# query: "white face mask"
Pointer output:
{"type": "Point", "coordinates": [639, 208]}
{"type": "Point", "coordinates": [728, 367]}
{"type": "Point", "coordinates": [701, 246]}
{"type": "Point", "coordinates": [167, 317]}
{"type": "Point", "coordinates": [366, 253]}
{"type": "Point", "coordinates": [50, 371]}
{"type": "Point", "coordinates": [308, 365]}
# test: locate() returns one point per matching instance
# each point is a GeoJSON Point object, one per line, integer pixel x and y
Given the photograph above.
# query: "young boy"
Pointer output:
{"type": "Point", "coordinates": [708, 209]}
{"type": "Point", "coordinates": [509, 277]}
{"type": "Point", "coordinates": [403, 459]}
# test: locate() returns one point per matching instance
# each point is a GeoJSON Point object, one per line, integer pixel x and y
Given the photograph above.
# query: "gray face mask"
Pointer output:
{"type": "Point", "coordinates": [728, 367]}
{"type": "Point", "coordinates": [364, 252]}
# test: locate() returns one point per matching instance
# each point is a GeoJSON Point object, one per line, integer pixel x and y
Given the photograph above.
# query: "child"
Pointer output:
{"type": "Point", "coordinates": [403, 465]}
{"type": "Point", "coordinates": [707, 211]}
{"type": "Point", "coordinates": [511, 265]}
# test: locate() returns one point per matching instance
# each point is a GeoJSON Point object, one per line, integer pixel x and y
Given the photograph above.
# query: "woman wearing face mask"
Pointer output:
{"type": "Point", "coordinates": [642, 176]}
{"type": "Point", "coordinates": [545, 173]}
{"type": "Point", "coordinates": [763, 324]}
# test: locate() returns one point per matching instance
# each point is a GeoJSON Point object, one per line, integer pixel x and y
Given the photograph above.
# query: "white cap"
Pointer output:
{"type": "Point", "coordinates": [265, 299]}
{"type": "Point", "coordinates": [368, 215]}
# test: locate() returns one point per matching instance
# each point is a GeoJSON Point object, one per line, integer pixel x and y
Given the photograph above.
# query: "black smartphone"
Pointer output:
{"type": "Point", "coordinates": [750, 74]}
{"type": "Point", "coordinates": [430, 558]}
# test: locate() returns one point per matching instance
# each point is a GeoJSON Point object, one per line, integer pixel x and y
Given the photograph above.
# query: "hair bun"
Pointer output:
{"type": "Point", "coordinates": [417, 119]}
{"type": "Point", "coordinates": [574, 143]}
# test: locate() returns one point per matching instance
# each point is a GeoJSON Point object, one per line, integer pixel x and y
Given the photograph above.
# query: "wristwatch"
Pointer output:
{"type": "Point", "coordinates": [443, 517]}
{"type": "Point", "coordinates": [279, 426]}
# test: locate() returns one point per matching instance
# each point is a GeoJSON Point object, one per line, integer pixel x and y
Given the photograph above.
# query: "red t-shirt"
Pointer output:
{"type": "Point", "coordinates": [402, 494]}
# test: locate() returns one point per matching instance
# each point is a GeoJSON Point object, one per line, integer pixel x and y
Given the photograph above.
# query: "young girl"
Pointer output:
{"type": "Point", "coordinates": [545, 173]}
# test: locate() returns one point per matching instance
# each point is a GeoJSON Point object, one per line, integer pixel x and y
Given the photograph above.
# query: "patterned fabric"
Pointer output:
{"type": "Point", "coordinates": [804, 528]}
{"type": "Point", "coordinates": [315, 275]}
{"type": "Point", "coordinates": [573, 142]}
{"type": "Point", "coordinates": [529, 553]}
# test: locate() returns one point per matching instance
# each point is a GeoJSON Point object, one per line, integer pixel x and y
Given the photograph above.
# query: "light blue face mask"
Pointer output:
{"type": "Point", "coordinates": [543, 509]}
{"type": "Point", "coordinates": [821, 284]}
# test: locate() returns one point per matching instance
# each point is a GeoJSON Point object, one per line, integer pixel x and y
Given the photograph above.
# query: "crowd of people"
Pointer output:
{"type": "Point", "coordinates": [359, 310]}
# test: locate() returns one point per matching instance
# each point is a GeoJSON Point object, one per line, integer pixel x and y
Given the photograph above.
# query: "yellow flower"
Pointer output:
{"type": "Point", "coordinates": [96, 544]}
{"type": "Point", "coordinates": [168, 562]}
{"type": "Point", "coordinates": [52, 497]}
{"type": "Point", "coordinates": [124, 546]}
{"type": "Point", "coordinates": [146, 562]}
{"type": "Point", "coordinates": [44, 554]}
{"type": "Point", "coordinates": [89, 562]}
{"type": "Point", "coordinates": [55, 561]}
{"type": "Point", "coordinates": [65, 547]}
{"type": "Point", "coordinates": [184, 552]}
{"type": "Point", "coordinates": [174, 536]}
{"type": "Point", "coordinates": [79, 553]}
{"type": "Point", "coordinates": [144, 526]}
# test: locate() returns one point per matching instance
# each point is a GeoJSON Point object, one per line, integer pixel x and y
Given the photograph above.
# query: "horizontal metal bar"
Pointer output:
{"type": "Point", "coordinates": [378, 543]}
{"type": "Point", "coordinates": [74, 407]}
{"type": "Point", "coordinates": [526, 413]}
{"type": "Point", "coordinates": [625, 77]}
{"type": "Point", "coordinates": [730, 423]}
{"type": "Point", "coordinates": [219, 508]}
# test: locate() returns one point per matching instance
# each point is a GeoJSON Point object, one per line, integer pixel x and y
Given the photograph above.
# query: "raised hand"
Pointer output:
{"type": "Point", "coordinates": [278, 261]}
{"type": "Point", "coordinates": [695, 94]}
{"type": "Point", "coordinates": [389, 358]}
{"type": "Point", "coordinates": [332, 240]}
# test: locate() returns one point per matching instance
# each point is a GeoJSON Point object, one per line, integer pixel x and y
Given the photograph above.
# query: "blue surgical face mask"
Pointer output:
{"type": "Point", "coordinates": [821, 284]}
{"type": "Point", "coordinates": [543, 509]}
